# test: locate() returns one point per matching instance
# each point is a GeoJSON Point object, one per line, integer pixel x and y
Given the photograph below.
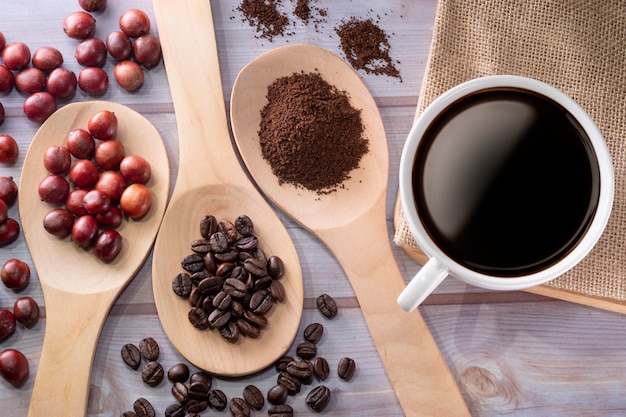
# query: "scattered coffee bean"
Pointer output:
{"type": "Point", "coordinates": [175, 410]}
{"type": "Point", "coordinates": [217, 399]}
{"type": "Point", "coordinates": [327, 306]}
{"type": "Point", "coordinates": [282, 362]}
{"type": "Point", "coordinates": [143, 408]}
{"type": "Point", "coordinates": [313, 332]}
{"type": "Point", "coordinates": [317, 399]}
{"type": "Point", "coordinates": [244, 225]}
{"type": "Point", "coordinates": [178, 373]}
{"type": "Point", "coordinates": [280, 410]}
{"type": "Point", "coordinates": [180, 392]}
{"type": "Point", "coordinates": [321, 368]}
{"type": "Point", "coordinates": [248, 329]}
{"type": "Point", "coordinates": [197, 406]}
{"type": "Point", "coordinates": [203, 377]}
{"type": "Point", "coordinates": [292, 384]}
{"type": "Point", "coordinates": [201, 246]}
{"type": "Point", "coordinates": [181, 284]}
{"type": "Point", "coordinates": [149, 349]}
{"type": "Point", "coordinates": [152, 373]}
{"type": "Point", "coordinates": [277, 290]}
{"type": "Point", "coordinates": [131, 355]}
{"type": "Point", "coordinates": [198, 318]}
{"type": "Point", "coordinates": [346, 368]}
{"type": "Point", "coordinates": [230, 332]}
{"type": "Point", "coordinates": [299, 369]}
{"type": "Point", "coordinates": [306, 350]}
{"type": "Point", "coordinates": [239, 407]}
{"type": "Point", "coordinates": [277, 394]}
{"type": "Point", "coordinates": [208, 226]}
{"type": "Point", "coordinates": [193, 262]}
{"type": "Point", "coordinates": [254, 397]}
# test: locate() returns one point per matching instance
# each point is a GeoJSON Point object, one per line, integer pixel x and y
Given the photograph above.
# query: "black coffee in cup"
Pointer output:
{"type": "Point", "coordinates": [506, 182]}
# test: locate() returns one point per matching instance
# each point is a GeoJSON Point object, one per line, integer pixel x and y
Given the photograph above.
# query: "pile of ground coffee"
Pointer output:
{"type": "Point", "coordinates": [310, 134]}
{"type": "Point", "coordinates": [366, 47]}
{"type": "Point", "coordinates": [265, 16]}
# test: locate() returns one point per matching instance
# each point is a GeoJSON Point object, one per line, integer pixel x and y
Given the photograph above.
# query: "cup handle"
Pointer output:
{"type": "Point", "coordinates": [422, 284]}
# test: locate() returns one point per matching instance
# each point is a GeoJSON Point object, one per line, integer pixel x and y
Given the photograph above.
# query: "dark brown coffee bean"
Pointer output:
{"type": "Point", "coordinates": [235, 288]}
{"type": "Point", "coordinates": [299, 369]}
{"type": "Point", "coordinates": [257, 320]}
{"type": "Point", "coordinates": [199, 390]}
{"type": "Point", "coordinates": [248, 329]}
{"type": "Point", "coordinates": [228, 229]}
{"type": "Point", "coordinates": [346, 368]}
{"type": "Point", "coordinates": [131, 355]}
{"type": "Point", "coordinates": [178, 373]}
{"type": "Point", "coordinates": [280, 410]}
{"type": "Point", "coordinates": [277, 290]}
{"type": "Point", "coordinates": [201, 246]}
{"type": "Point", "coordinates": [225, 269]}
{"type": "Point", "coordinates": [197, 406]}
{"type": "Point", "coordinates": [208, 226]}
{"type": "Point", "coordinates": [181, 285]}
{"type": "Point", "coordinates": [193, 262]}
{"type": "Point", "coordinates": [321, 368]}
{"type": "Point", "coordinates": [255, 266]}
{"type": "Point", "coordinates": [282, 362]}
{"type": "Point", "coordinates": [292, 384]}
{"type": "Point", "coordinates": [229, 255]}
{"type": "Point", "coordinates": [180, 392]}
{"type": "Point", "coordinates": [275, 267]}
{"type": "Point", "coordinates": [211, 285]}
{"type": "Point", "coordinates": [327, 306]}
{"type": "Point", "coordinates": [217, 399]}
{"type": "Point", "coordinates": [218, 242]}
{"type": "Point", "coordinates": [317, 399]}
{"type": "Point", "coordinates": [222, 300]}
{"type": "Point", "coordinates": [244, 225]}
{"type": "Point", "coordinates": [143, 408]}
{"type": "Point", "coordinates": [254, 397]}
{"type": "Point", "coordinates": [259, 255]}
{"type": "Point", "coordinates": [239, 407]}
{"type": "Point", "coordinates": [219, 318]}
{"type": "Point", "coordinates": [277, 394]}
{"type": "Point", "coordinates": [195, 297]}
{"type": "Point", "coordinates": [175, 410]}
{"type": "Point", "coordinates": [247, 243]}
{"type": "Point", "coordinates": [197, 277]}
{"type": "Point", "coordinates": [236, 308]}
{"type": "Point", "coordinates": [198, 318]}
{"type": "Point", "coordinates": [306, 350]}
{"type": "Point", "coordinates": [203, 377]}
{"type": "Point", "coordinates": [230, 332]}
{"type": "Point", "coordinates": [210, 263]}
{"type": "Point", "coordinates": [152, 373]}
{"type": "Point", "coordinates": [262, 283]}
{"type": "Point", "coordinates": [261, 302]}
{"type": "Point", "coordinates": [149, 349]}
{"type": "Point", "coordinates": [313, 332]}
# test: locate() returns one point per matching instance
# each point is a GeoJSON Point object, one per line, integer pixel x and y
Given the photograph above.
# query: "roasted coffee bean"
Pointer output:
{"type": "Point", "coordinates": [217, 399]}
{"type": "Point", "coordinates": [277, 290]}
{"type": "Point", "coordinates": [149, 349]}
{"type": "Point", "coordinates": [197, 406]}
{"type": "Point", "coordinates": [143, 408]}
{"type": "Point", "coordinates": [218, 242]}
{"type": "Point", "coordinates": [199, 390]}
{"type": "Point", "coordinates": [152, 373]}
{"type": "Point", "coordinates": [321, 368]}
{"type": "Point", "coordinates": [280, 410]}
{"type": "Point", "coordinates": [211, 285]}
{"type": "Point", "coordinates": [346, 368]}
{"type": "Point", "coordinates": [178, 373]}
{"type": "Point", "coordinates": [180, 392]}
{"type": "Point", "coordinates": [255, 266]}
{"type": "Point", "coordinates": [260, 256]}
{"type": "Point", "coordinates": [262, 283]}
{"type": "Point", "coordinates": [282, 362]}
{"type": "Point", "coordinates": [257, 320]}
{"type": "Point", "coordinates": [128, 414]}
{"type": "Point", "coordinates": [235, 288]}
{"type": "Point", "coordinates": [193, 262]}
{"type": "Point", "coordinates": [327, 306]}
{"type": "Point", "coordinates": [275, 267]}
{"type": "Point", "coordinates": [306, 350]}
{"type": "Point", "coordinates": [292, 384]}
{"type": "Point", "coordinates": [277, 394]}
{"type": "Point", "coordinates": [244, 225]}
{"type": "Point", "coordinates": [317, 399]}
{"type": "Point", "coordinates": [228, 229]}
{"type": "Point", "coordinates": [261, 302]}
{"type": "Point", "coordinates": [175, 410]}
{"type": "Point", "coordinates": [222, 300]}
{"type": "Point", "coordinates": [236, 308]}
{"type": "Point", "coordinates": [299, 369]}
{"type": "Point", "coordinates": [225, 269]}
{"type": "Point", "coordinates": [199, 318]}
{"type": "Point", "coordinates": [131, 355]}
{"type": "Point", "coordinates": [198, 277]}
{"type": "Point", "coordinates": [219, 318]}
{"type": "Point", "coordinates": [201, 246]}
{"type": "Point", "coordinates": [247, 243]}
{"type": "Point", "coordinates": [208, 226]}
{"type": "Point", "coordinates": [248, 329]}
{"type": "Point", "coordinates": [195, 297]}
{"type": "Point", "coordinates": [229, 255]}
{"type": "Point", "coordinates": [239, 273]}
{"type": "Point", "coordinates": [239, 407]}
{"type": "Point", "coordinates": [203, 377]}
{"type": "Point", "coordinates": [313, 332]}
{"type": "Point", "coordinates": [230, 332]}
{"type": "Point", "coordinates": [210, 263]}
{"type": "Point", "coordinates": [254, 397]}
{"type": "Point", "coordinates": [182, 285]}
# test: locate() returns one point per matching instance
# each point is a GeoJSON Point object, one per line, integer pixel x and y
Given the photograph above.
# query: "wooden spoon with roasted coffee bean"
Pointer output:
{"type": "Point", "coordinates": [351, 221]}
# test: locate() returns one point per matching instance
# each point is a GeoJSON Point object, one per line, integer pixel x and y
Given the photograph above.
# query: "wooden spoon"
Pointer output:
{"type": "Point", "coordinates": [352, 223]}
{"type": "Point", "coordinates": [212, 181]}
{"type": "Point", "coordinates": [79, 289]}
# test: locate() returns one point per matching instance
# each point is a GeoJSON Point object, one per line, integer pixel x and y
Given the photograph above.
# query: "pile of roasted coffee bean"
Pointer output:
{"type": "Point", "coordinates": [229, 281]}
{"type": "Point", "coordinates": [194, 393]}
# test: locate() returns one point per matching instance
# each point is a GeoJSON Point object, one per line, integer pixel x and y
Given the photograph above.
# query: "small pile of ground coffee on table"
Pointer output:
{"type": "Point", "coordinates": [310, 134]}
{"type": "Point", "coordinates": [366, 47]}
{"type": "Point", "coordinates": [265, 16]}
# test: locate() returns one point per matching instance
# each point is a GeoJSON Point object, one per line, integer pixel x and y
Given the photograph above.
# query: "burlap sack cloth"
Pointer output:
{"type": "Point", "coordinates": [577, 46]}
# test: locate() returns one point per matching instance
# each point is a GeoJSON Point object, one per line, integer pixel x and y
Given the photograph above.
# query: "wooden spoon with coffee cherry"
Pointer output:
{"type": "Point", "coordinates": [351, 221]}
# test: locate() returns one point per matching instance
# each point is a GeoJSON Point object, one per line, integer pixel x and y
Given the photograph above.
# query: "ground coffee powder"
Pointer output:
{"type": "Point", "coordinates": [265, 16]}
{"type": "Point", "coordinates": [310, 134]}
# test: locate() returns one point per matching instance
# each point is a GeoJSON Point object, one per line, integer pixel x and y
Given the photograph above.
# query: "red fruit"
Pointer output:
{"type": "Point", "coordinates": [47, 58]}
{"type": "Point", "coordinates": [14, 367]}
{"type": "Point", "coordinates": [84, 231]}
{"type": "Point", "coordinates": [112, 183]}
{"type": "Point", "coordinates": [128, 75]}
{"type": "Point", "coordinates": [108, 245]}
{"type": "Point", "coordinates": [134, 23]}
{"type": "Point", "coordinates": [119, 45]}
{"type": "Point", "coordinates": [96, 202]}
{"type": "Point", "coordinates": [136, 200]}
{"type": "Point", "coordinates": [7, 79]}
{"type": "Point", "coordinates": [39, 106]}
{"type": "Point", "coordinates": [61, 83]}
{"type": "Point", "coordinates": [91, 52]}
{"type": "Point", "coordinates": [16, 55]}
{"type": "Point", "coordinates": [4, 211]}
{"type": "Point", "coordinates": [54, 189]}
{"type": "Point", "coordinates": [103, 125]}
{"type": "Point", "coordinates": [135, 168]}
{"type": "Point", "coordinates": [30, 80]}
{"type": "Point", "coordinates": [26, 311]}
{"type": "Point", "coordinates": [93, 80]}
{"type": "Point", "coordinates": [8, 149]}
{"type": "Point", "coordinates": [58, 222]}
{"type": "Point", "coordinates": [93, 5]}
{"type": "Point", "coordinates": [7, 323]}
{"type": "Point", "coordinates": [84, 173]}
{"type": "Point", "coordinates": [15, 274]}
{"type": "Point", "coordinates": [8, 190]}
{"type": "Point", "coordinates": [147, 51]}
{"type": "Point", "coordinates": [80, 143]}
{"type": "Point", "coordinates": [79, 25]}
{"type": "Point", "coordinates": [74, 202]}
{"type": "Point", "coordinates": [57, 159]}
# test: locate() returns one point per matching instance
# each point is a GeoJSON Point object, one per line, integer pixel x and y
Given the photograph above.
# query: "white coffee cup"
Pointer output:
{"type": "Point", "coordinates": [441, 264]}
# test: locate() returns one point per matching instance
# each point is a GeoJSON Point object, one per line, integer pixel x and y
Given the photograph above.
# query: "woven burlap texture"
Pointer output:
{"type": "Point", "coordinates": [576, 46]}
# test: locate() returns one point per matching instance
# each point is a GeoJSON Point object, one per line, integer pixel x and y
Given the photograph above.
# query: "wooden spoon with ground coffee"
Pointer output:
{"type": "Point", "coordinates": [350, 219]}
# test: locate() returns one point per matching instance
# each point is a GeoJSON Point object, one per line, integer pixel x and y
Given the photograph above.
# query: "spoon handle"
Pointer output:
{"type": "Point", "coordinates": [73, 325]}
{"type": "Point", "coordinates": [417, 371]}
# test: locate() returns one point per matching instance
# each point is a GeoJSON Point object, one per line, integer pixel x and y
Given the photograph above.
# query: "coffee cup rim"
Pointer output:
{"type": "Point", "coordinates": [600, 218]}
